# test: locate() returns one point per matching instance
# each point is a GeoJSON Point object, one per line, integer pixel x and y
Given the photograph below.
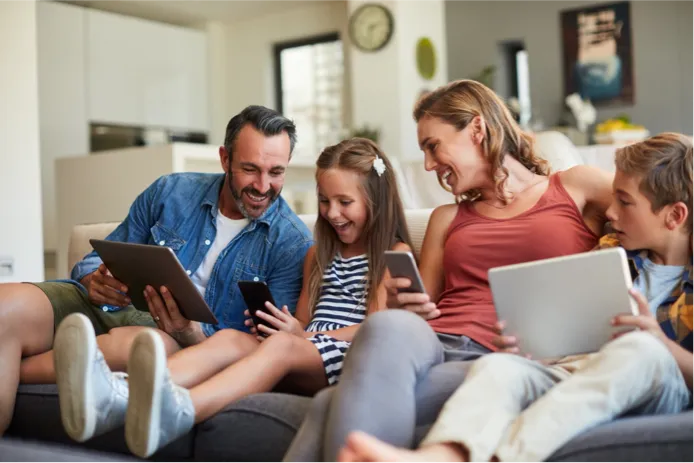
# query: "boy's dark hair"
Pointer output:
{"type": "Point", "coordinates": [664, 162]}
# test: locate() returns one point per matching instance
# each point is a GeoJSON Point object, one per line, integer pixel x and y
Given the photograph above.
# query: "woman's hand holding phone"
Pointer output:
{"type": "Point", "coordinates": [417, 303]}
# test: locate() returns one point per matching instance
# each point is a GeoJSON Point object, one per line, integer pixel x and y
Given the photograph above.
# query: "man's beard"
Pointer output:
{"type": "Point", "coordinates": [238, 198]}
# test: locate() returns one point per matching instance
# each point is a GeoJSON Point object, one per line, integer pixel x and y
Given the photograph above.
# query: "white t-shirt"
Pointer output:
{"type": "Point", "coordinates": [227, 229]}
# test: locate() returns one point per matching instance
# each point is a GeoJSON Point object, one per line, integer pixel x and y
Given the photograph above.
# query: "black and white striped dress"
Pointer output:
{"type": "Point", "coordinates": [341, 304]}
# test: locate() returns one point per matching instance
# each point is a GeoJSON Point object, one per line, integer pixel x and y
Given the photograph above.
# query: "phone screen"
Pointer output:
{"type": "Point", "coordinates": [256, 294]}
{"type": "Point", "coordinates": [401, 264]}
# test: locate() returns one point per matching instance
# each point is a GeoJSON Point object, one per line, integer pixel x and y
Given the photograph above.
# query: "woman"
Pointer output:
{"type": "Point", "coordinates": [510, 210]}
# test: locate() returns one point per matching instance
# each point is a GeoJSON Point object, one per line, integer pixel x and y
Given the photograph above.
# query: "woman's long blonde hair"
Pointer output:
{"type": "Point", "coordinates": [458, 103]}
{"type": "Point", "coordinates": [385, 224]}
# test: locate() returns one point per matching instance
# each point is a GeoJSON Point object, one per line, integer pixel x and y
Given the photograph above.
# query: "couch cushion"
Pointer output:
{"type": "Point", "coordinates": [13, 450]}
{"type": "Point", "coordinates": [79, 240]}
{"type": "Point", "coordinates": [641, 438]}
{"type": "Point", "coordinates": [37, 416]}
{"type": "Point", "coordinates": [257, 428]}
{"type": "Point", "coordinates": [241, 432]}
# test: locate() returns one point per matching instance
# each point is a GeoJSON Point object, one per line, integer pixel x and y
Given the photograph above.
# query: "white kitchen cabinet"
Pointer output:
{"type": "Point", "coordinates": [145, 73]}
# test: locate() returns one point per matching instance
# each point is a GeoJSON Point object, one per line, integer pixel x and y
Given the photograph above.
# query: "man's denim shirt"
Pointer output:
{"type": "Point", "coordinates": [179, 211]}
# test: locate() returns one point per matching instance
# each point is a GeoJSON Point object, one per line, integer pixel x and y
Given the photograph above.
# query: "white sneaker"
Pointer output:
{"type": "Point", "coordinates": [93, 399]}
{"type": "Point", "coordinates": [158, 411]}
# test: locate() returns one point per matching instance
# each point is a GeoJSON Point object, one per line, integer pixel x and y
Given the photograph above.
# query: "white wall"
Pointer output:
{"type": "Point", "coordinates": [217, 81]}
{"type": "Point", "coordinates": [375, 83]}
{"type": "Point", "coordinates": [661, 44]}
{"type": "Point", "coordinates": [418, 19]}
{"type": "Point", "coordinates": [386, 83]}
{"type": "Point", "coordinates": [62, 99]}
{"type": "Point", "coordinates": [249, 50]}
{"type": "Point", "coordinates": [20, 175]}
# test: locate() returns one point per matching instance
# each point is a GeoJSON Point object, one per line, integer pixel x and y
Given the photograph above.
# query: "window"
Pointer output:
{"type": "Point", "coordinates": [309, 81]}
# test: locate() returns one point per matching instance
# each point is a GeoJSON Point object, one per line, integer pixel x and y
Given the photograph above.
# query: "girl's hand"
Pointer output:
{"type": "Point", "coordinates": [282, 320]}
{"type": "Point", "coordinates": [644, 320]}
{"type": "Point", "coordinates": [418, 303]}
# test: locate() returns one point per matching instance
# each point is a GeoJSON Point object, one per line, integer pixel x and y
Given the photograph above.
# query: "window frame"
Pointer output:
{"type": "Point", "coordinates": [281, 46]}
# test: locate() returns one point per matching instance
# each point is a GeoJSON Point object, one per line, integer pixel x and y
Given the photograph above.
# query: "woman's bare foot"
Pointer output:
{"type": "Point", "coordinates": [363, 447]}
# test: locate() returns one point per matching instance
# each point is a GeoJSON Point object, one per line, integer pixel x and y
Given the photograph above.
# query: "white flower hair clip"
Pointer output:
{"type": "Point", "coordinates": [379, 166]}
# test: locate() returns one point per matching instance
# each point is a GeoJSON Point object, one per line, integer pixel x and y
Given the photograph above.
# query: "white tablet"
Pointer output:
{"type": "Point", "coordinates": [563, 306]}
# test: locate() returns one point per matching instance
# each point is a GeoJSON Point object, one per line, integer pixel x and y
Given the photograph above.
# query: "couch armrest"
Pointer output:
{"type": "Point", "coordinates": [79, 240]}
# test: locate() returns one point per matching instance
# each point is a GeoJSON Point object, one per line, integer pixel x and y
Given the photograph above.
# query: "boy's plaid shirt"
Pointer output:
{"type": "Point", "coordinates": [675, 313]}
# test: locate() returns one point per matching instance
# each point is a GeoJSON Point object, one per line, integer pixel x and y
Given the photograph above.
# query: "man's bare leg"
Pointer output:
{"type": "Point", "coordinates": [115, 345]}
{"type": "Point", "coordinates": [26, 329]}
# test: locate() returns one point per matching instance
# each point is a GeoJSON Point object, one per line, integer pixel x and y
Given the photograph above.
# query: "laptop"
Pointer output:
{"type": "Point", "coordinates": [564, 305]}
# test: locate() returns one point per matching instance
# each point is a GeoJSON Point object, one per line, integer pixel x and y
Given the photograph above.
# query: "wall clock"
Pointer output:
{"type": "Point", "coordinates": [371, 27]}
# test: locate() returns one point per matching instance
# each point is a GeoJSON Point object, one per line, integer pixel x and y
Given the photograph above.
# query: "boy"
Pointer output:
{"type": "Point", "coordinates": [512, 408]}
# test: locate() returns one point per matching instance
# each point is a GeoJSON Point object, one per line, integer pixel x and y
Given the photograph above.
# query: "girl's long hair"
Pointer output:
{"type": "Point", "coordinates": [385, 225]}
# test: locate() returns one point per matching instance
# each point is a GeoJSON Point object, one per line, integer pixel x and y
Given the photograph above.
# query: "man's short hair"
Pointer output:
{"type": "Point", "coordinates": [265, 120]}
{"type": "Point", "coordinates": [664, 162]}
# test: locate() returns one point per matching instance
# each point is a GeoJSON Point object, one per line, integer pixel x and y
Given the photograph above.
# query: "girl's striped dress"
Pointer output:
{"type": "Point", "coordinates": [341, 304]}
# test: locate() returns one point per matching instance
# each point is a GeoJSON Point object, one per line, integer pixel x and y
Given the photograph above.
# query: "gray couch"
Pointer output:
{"type": "Point", "coordinates": [261, 427]}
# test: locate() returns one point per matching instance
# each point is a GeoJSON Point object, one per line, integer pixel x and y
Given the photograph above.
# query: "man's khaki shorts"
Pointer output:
{"type": "Point", "coordinates": [68, 298]}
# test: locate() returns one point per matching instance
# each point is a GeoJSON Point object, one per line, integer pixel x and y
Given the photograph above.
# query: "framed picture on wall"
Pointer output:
{"type": "Point", "coordinates": [598, 60]}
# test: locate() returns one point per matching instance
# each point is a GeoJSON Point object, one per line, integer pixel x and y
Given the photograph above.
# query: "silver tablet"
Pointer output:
{"type": "Point", "coordinates": [563, 306]}
{"type": "Point", "coordinates": [139, 265]}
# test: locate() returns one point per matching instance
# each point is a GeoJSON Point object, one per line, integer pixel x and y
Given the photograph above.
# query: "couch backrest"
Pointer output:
{"type": "Point", "coordinates": [417, 220]}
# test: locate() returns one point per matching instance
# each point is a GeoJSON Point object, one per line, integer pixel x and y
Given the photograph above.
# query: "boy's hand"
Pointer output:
{"type": "Point", "coordinates": [506, 344]}
{"type": "Point", "coordinates": [282, 320]}
{"type": "Point", "coordinates": [644, 320]}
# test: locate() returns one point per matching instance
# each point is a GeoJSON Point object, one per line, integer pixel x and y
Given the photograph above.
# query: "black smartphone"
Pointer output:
{"type": "Point", "coordinates": [256, 294]}
{"type": "Point", "coordinates": [401, 264]}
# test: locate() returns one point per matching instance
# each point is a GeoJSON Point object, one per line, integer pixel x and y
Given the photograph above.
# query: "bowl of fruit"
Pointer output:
{"type": "Point", "coordinates": [619, 131]}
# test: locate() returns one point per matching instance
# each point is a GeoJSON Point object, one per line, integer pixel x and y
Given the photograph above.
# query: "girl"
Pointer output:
{"type": "Point", "coordinates": [361, 216]}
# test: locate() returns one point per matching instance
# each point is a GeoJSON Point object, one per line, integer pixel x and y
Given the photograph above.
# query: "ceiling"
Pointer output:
{"type": "Point", "coordinates": [193, 12]}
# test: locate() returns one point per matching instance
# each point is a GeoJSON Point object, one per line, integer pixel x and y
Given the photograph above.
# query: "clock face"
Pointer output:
{"type": "Point", "coordinates": [371, 27]}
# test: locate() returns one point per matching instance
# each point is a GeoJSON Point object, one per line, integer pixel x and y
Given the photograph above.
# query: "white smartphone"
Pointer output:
{"type": "Point", "coordinates": [401, 264]}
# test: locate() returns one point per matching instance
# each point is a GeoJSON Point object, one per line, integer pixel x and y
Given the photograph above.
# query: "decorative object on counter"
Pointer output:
{"type": "Point", "coordinates": [582, 110]}
{"type": "Point", "coordinates": [366, 131]}
{"type": "Point", "coordinates": [371, 27]}
{"type": "Point", "coordinates": [619, 131]}
{"type": "Point", "coordinates": [426, 58]}
{"type": "Point", "coordinates": [597, 53]}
